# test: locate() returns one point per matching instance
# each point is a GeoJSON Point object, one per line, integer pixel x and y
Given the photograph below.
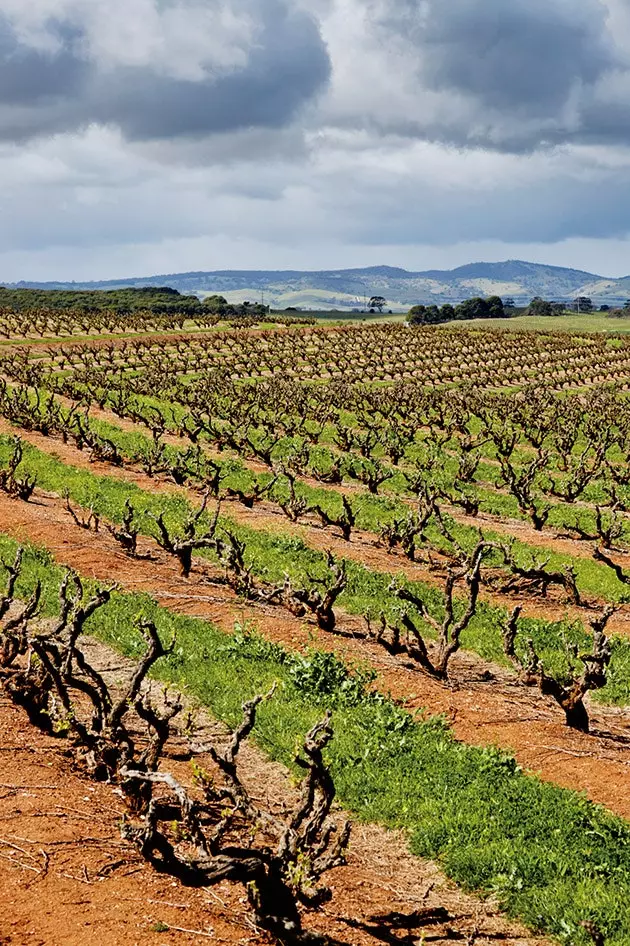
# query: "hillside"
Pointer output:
{"type": "Point", "coordinates": [349, 288]}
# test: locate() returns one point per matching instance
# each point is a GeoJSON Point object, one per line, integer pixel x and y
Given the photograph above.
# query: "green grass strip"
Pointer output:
{"type": "Point", "coordinates": [373, 512]}
{"type": "Point", "coordinates": [550, 857]}
{"type": "Point", "coordinates": [273, 555]}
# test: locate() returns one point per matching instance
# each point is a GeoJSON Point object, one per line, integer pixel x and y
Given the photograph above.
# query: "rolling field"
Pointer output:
{"type": "Point", "coordinates": [417, 540]}
{"type": "Point", "coordinates": [591, 322]}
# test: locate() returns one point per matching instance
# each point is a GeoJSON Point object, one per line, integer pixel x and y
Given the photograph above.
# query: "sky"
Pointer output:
{"type": "Point", "coordinates": [161, 136]}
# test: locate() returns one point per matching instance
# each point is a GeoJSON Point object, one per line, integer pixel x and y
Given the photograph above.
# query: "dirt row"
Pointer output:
{"type": "Point", "coordinates": [546, 539]}
{"type": "Point", "coordinates": [485, 704]}
{"type": "Point", "coordinates": [67, 876]}
{"type": "Point", "coordinates": [161, 338]}
{"type": "Point", "coordinates": [363, 548]}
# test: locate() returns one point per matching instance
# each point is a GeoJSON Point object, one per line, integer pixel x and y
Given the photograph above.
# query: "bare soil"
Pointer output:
{"type": "Point", "coordinates": [363, 547]}
{"type": "Point", "coordinates": [66, 875]}
{"type": "Point", "coordinates": [485, 704]}
{"type": "Point", "coordinates": [546, 539]}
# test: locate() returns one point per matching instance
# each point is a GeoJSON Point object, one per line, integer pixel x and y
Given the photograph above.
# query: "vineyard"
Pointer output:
{"type": "Point", "coordinates": [336, 618]}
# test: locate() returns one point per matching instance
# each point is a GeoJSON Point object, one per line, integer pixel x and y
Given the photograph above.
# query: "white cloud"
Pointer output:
{"type": "Point", "coordinates": [182, 40]}
{"type": "Point", "coordinates": [207, 133]}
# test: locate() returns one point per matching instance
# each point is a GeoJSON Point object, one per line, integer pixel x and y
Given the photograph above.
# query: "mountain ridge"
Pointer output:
{"type": "Point", "coordinates": [352, 287]}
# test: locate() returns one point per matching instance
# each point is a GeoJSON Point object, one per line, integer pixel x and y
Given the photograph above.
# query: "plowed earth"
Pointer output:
{"type": "Point", "coordinates": [67, 878]}
{"type": "Point", "coordinates": [362, 548]}
{"type": "Point", "coordinates": [547, 538]}
{"type": "Point", "coordinates": [485, 704]}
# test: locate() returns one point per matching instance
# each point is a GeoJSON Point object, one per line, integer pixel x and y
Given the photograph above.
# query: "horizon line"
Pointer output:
{"type": "Point", "coordinates": [347, 269]}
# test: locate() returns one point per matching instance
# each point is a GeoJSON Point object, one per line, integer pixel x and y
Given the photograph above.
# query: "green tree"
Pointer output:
{"type": "Point", "coordinates": [416, 315]}
{"type": "Point", "coordinates": [539, 307]}
{"type": "Point", "coordinates": [433, 315]}
{"type": "Point", "coordinates": [495, 307]}
{"type": "Point", "coordinates": [377, 302]}
{"type": "Point", "coordinates": [215, 303]}
{"type": "Point", "coordinates": [583, 304]}
{"type": "Point", "coordinates": [475, 308]}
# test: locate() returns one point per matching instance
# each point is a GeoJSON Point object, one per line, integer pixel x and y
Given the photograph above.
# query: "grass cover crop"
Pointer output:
{"type": "Point", "coordinates": [551, 858]}
{"type": "Point", "coordinates": [367, 592]}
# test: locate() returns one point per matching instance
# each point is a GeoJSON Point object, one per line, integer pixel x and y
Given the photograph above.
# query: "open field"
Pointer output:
{"type": "Point", "coordinates": [424, 533]}
{"type": "Point", "coordinates": [592, 322]}
{"type": "Point", "coordinates": [309, 299]}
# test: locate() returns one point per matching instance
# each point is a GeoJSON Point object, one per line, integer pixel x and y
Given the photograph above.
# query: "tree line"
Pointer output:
{"type": "Point", "coordinates": [156, 299]}
{"type": "Point", "coordinates": [496, 308]}
{"type": "Point", "coordinates": [476, 308]}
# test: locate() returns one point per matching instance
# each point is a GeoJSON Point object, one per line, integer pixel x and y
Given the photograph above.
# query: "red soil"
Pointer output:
{"type": "Point", "coordinates": [496, 711]}
{"type": "Point", "coordinates": [362, 548]}
{"type": "Point", "coordinates": [67, 877]}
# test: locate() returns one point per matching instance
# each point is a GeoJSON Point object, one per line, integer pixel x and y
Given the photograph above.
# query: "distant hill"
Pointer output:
{"type": "Point", "coordinates": [349, 288]}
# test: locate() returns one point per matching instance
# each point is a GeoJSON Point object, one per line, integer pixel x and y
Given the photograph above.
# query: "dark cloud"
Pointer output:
{"type": "Point", "coordinates": [45, 92]}
{"type": "Point", "coordinates": [30, 77]}
{"type": "Point", "coordinates": [286, 67]}
{"type": "Point", "coordinates": [525, 54]}
{"type": "Point", "coordinates": [512, 75]}
{"type": "Point", "coordinates": [189, 136]}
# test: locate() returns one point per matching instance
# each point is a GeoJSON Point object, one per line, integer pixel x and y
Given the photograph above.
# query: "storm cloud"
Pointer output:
{"type": "Point", "coordinates": [234, 133]}
{"type": "Point", "coordinates": [528, 55]}
{"type": "Point", "coordinates": [509, 76]}
{"type": "Point", "coordinates": [269, 61]}
{"type": "Point", "coordinates": [474, 73]}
